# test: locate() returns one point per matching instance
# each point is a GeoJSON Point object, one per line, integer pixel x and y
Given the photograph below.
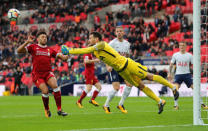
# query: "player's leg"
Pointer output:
{"type": "Point", "coordinates": [83, 95]}
{"type": "Point", "coordinates": [125, 94]}
{"type": "Point", "coordinates": [111, 94]}
{"type": "Point", "coordinates": [176, 106]}
{"type": "Point", "coordinates": [151, 94]}
{"type": "Point", "coordinates": [95, 93]}
{"type": "Point", "coordinates": [116, 86]}
{"type": "Point", "coordinates": [51, 81]}
{"type": "Point", "coordinates": [136, 81]}
{"type": "Point", "coordinates": [163, 81]}
{"type": "Point", "coordinates": [45, 96]}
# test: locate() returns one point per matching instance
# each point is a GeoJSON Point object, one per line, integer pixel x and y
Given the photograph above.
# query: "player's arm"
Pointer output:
{"type": "Point", "coordinates": [62, 57]}
{"type": "Point", "coordinates": [87, 61]}
{"type": "Point", "coordinates": [66, 51]}
{"type": "Point", "coordinates": [170, 74]}
{"type": "Point", "coordinates": [21, 48]}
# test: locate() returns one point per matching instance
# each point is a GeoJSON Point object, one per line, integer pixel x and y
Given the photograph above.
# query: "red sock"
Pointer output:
{"type": "Point", "coordinates": [95, 93]}
{"type": "Point", "coordinates": [82, 96]}
{"type": "Point", "coordinates": [57, 97]}
{"type": "Point", "coordinates": [45, 102]}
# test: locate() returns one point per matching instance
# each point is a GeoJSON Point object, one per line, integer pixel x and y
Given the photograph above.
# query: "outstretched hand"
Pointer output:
{"type": "Point", "coordinates": [65, 50]}
{"type": "Point", "coordinates": [30, 39]}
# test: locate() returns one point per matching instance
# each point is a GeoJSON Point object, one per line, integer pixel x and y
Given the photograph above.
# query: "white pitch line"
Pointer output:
{"type": "Point", "coordinates": [131, 127]}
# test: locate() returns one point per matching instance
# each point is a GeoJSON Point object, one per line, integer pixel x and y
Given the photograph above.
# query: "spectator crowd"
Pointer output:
{"type": "Point", "coordinates": [146, 38]}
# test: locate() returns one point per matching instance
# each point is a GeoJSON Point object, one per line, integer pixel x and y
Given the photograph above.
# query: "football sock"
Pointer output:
{"type": "Point", "coordinates": [111, 94]}
{"type": "Point", "coordinates": [175, 102]}
{"type": "Point", "coordinates": [45, 98]}
{"type": "Point", "coordinates": [95, 93]}
{"type": "Point", "coordinates": [125, 94]}
{"type": "Point", "coordinates": [57, 97]}
{"type": "Point", "coordinates": [163, 81]}
{"type": "Point", "coordinates": [82, 96]}
{"type": "Point", "coordinates": [151, 94]}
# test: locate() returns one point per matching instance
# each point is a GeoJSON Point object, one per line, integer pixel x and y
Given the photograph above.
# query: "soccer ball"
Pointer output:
{"type": "Point", "coordinates": [13, 14]}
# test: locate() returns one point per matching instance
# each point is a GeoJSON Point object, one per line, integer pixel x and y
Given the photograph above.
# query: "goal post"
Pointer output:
{"type": "Point", "coordinates": [196, 62]}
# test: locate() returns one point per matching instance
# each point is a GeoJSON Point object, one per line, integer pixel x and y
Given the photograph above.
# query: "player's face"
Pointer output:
{"type": "Point", "coordinates": [92, 40]}
{"type": "Point", "coordinates": [119, 33]}
{"type": "Point", "coordinates": [182, 46]}
{"type": "Point", "coordinates": [42, 39]}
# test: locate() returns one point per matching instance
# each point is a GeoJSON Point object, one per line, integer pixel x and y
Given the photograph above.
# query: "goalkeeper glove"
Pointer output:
{"type": "Point", "coordinates": [65, 50]}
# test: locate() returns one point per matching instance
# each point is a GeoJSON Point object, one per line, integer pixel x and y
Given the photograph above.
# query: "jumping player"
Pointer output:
{"type": "Point", "coordinates": [42, 74]}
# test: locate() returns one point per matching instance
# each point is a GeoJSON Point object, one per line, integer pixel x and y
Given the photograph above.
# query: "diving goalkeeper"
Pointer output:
{"type": "Point", "coordinates": [130, 70]}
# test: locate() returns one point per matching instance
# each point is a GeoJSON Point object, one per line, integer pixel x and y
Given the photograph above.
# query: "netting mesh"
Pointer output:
{"type": "Point", "coordinates": [204, 59]}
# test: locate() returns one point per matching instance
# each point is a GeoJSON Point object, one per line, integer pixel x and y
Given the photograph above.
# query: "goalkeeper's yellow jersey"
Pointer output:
{"type": "Point", "coordinates": [105, 53]}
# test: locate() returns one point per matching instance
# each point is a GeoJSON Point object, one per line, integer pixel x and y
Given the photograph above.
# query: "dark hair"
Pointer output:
{"type": "Point", "coordinates": [97, 35]}
{"type": "Point", "coordinates": [40, 33]}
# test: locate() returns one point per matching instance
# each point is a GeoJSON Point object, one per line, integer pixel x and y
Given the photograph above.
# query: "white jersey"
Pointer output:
{"type": "Point", "coordinates": [183, 62]}
{"type": "Point", "coordinates": [122, 48]}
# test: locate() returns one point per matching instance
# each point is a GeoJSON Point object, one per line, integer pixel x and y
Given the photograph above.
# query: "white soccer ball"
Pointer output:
{"type": "Point", "coordinates": [13, 14]}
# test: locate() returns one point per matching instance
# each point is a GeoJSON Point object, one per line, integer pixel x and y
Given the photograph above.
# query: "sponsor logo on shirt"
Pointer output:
{"type": "Point", "coordinates": [42, 53]}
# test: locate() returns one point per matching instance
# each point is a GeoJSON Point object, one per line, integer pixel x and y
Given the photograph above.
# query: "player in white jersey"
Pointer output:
{"type": "Point", "coordinates": [183, 60]}
{"type": "Point", "coordinates": [123, 47]}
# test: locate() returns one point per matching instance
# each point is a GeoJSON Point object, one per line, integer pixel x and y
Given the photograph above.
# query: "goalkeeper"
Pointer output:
{"type": "Point", "coordinates": [130, 70]}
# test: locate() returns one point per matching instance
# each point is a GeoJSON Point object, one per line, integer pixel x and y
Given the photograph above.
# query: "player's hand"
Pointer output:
{"type": "Point", "coordinates": [65, 50]}
{"type": "Point", "coordinates": [109, 68]}
{"type": "Point", "coordinates": [30, 39]}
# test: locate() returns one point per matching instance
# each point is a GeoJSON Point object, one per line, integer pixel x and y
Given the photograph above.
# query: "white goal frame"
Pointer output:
{"type": "Point", "coordinates": [197, 62]}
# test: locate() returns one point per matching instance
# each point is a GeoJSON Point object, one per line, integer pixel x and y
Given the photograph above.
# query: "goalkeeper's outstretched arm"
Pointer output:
{"type": "Point", "coordinates": [67, 51]}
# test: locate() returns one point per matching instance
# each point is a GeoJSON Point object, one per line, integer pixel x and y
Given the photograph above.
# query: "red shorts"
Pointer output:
{"type": "Point", "coordinates": [41, 78]}
{"type": "Point", "coordinates": [92, 80]}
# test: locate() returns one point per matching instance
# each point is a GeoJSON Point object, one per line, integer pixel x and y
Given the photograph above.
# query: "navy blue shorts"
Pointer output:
{"type": "Point", "coordinates": [115, 77]}
{"type": "Point", "coordinates": [186, 78]}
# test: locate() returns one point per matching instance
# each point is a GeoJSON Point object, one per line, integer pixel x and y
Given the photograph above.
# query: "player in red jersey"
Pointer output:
{"type": "Point", "coordinates": [91, 80]}
{"type": "Point", "coordinates": [42, 74]}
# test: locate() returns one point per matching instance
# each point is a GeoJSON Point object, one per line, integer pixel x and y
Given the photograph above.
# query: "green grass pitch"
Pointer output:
{"type": "Point", "coordinates": [26, 113]}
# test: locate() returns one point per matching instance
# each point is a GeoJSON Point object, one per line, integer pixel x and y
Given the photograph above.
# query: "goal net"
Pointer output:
{"type": "Point", "coordinates": [200, 64]}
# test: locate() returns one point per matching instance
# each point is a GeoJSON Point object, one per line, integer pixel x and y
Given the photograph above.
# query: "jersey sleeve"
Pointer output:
{"type": "Point", "coordinates": [53, 53]}
{"type": "Point", "coordinates": [91, 49]}
{"type": "Point", "coordinates": [173, 60]}
{"type": "Point", "coordinates": [30, 48]}
{"type": "Point", "coordinates": [110, 43]}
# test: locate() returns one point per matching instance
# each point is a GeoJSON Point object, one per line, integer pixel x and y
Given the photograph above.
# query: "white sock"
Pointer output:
{"type": "Point", "coordinates": [111, 94]}
{"type": "Point", "coordinates": [125, 94]}
{"type": "Point", "coordinates": [175, 102]}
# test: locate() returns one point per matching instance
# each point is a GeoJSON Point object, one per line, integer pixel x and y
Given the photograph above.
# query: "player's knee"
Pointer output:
{"type": "Point", "coordinates": [45, 91]}
{"type": "Point", "coordinates": [116, 85]}
{"type": "Point", "coordinates": [149, 76]}
{"type": "Point", "coordinates": [99, 88]}
{"type": "Point", "coordinates": [141, 87]}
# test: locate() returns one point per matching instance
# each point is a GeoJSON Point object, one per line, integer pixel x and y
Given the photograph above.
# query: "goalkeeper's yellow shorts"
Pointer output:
{"type": "Point", "coordinates": [133, 72]}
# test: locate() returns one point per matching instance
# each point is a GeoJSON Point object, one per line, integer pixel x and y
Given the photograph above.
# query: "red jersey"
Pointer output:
{"type": "Point", "coordinates": [89, 68]}
{"type": "Point", "coordinates": [41, 57]}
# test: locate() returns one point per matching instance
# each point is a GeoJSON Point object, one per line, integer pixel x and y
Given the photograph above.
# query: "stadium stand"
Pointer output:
{"type": "Point", "coordinates": [150, 33]}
